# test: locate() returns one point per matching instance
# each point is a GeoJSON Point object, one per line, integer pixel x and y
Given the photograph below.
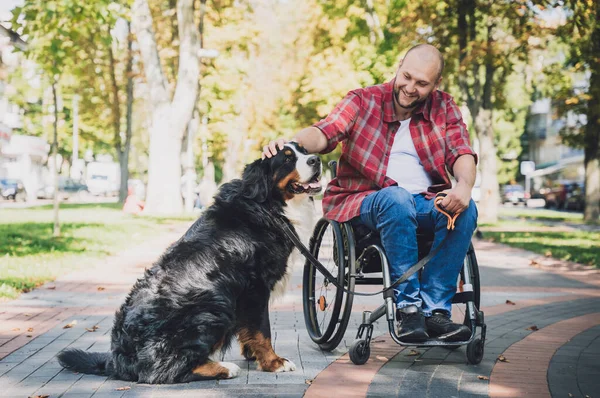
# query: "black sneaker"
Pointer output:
{"type": "Point", "coordinates": [439, 325]}
{"type": "Point", "coordinates": [411, 325]}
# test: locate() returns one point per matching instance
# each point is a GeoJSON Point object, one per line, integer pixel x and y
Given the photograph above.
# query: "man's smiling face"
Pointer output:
{"type": "Point", "coordinates": [416, 78]}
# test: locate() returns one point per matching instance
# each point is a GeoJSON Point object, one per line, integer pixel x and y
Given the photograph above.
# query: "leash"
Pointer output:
{"type": "Point", "coordinates": [414, 268]}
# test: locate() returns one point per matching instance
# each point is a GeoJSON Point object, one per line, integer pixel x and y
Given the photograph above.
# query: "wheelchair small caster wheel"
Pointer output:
{"type": "Point", "coordinates": [359, 352]}
{"type": "Point", "coordinates": [475, 351]}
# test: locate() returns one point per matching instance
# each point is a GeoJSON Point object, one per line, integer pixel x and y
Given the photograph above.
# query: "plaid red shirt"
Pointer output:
{"type": "Point", "coordinates": [366, 123]}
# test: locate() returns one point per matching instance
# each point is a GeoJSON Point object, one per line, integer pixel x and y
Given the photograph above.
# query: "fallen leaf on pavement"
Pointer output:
{"type": "Point", "coordinates": [29, 335]}
{"type": "Point", "coordinates": [412, 353]}
{"type": "Point", "coordinates": [534, 263]}
{"type": "Point", "coordinates": [100, 288]}
{"type": "Point", "coordinates": [51, 287]}
{"type": "Point", "coordinates": [533, 327]}
{"type": "Point", "coordinates": [70, 325]}
{"type": "Point", "coordinates": [93, 328]}
{"type": "Point", "coordinates": [483, 377]}
{"type": "Point", "coordinates": [123, 388]}
{"type": "Point", "coordinates": [510, 302]}
{"type": "Point", "coordinates": [548, 253]}
{"type": "Point", "coordinates": [308, 381]}
{"type": "Point", "coordinates": [502, 358]}
{"type": "Point", "coordinates": [16, 329]}
{"type": "Point", "coordinates": [30, 330]}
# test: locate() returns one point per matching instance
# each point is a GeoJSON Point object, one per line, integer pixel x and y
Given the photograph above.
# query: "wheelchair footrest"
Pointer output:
{"type": "Point", "coordinates": [463, 297]}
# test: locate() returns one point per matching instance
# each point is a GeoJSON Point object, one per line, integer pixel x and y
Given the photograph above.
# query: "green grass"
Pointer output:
{"type": "Point", "coordinates": [31, 256]}
{"type": "Point", "coordinates": [577, 245]}
{"type": "Point", "coordinates": [541, 214]}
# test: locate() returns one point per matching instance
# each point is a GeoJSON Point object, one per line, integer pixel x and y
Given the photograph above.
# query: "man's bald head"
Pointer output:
{"type": "Point", "coordinates": [427, 53]}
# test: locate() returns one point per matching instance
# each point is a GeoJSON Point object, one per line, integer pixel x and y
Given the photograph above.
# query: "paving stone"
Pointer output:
{"type": "Point", "coordinates": [437, 372]}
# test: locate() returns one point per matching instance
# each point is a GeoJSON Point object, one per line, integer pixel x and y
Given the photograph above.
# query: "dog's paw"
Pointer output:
{"type": "Point", "coordinates": [287, 366]}
{"type": "Point", "coordinates": [233, 369]}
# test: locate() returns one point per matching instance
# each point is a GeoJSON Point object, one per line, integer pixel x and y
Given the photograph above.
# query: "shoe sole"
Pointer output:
{"type": "Point", "coordinates": [459, 335]}
{"type": "Point", "coordinates": [414, 338]}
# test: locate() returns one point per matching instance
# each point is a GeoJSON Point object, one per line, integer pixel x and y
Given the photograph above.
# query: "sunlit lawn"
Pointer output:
{"type": "Point", "coordinates": [30, 256]}
{"type": "Point", "coordinates": [541, 214]}
{"type": "Point", "coordinates": [578, 245]}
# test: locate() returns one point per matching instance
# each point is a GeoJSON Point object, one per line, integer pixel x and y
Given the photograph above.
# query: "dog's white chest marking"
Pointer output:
{"type": "Point", "coordinates": [302, 214]}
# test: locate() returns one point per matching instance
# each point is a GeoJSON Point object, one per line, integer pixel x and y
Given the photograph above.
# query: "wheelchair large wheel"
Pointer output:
{"type": "Point", "coordinates": [326, 307]}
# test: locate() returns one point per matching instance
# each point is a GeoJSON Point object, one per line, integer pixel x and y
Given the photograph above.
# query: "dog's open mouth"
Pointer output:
{"type": "Point", "coordinates": [311, 187]}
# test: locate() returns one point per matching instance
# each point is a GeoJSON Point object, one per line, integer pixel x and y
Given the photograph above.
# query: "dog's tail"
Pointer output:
{"type": "Point", "coordinates": [96, 363]}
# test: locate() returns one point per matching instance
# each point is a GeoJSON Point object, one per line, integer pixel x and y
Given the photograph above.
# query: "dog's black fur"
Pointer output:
{"type": "Point", "coordinates": [213, 283]}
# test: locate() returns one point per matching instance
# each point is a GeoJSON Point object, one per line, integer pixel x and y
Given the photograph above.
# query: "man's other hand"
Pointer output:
{"type": "Point", "coordinates": [270, 149]}
{"type": "Point", "coordinates": [457, 199]}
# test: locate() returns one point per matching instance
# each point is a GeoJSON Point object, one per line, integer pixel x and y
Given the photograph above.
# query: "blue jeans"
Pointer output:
{"type": "Point", "coordinates": [395, 214]}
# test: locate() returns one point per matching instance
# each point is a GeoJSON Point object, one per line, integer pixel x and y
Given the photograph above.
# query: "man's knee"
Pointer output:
{"type": "Point", "coordinates": [467, 220]}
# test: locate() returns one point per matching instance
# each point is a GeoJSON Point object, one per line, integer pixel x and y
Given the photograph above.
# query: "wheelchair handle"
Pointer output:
{"type": "Point", "coordinates": [333, 166]}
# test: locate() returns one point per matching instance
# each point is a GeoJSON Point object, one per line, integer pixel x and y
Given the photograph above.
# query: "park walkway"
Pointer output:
{"type": "Point", "coordinates": [543, 319]}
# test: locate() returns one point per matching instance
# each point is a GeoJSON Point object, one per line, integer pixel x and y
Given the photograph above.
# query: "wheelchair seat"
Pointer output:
{"type": "Point", "coordinates": [365, 237]}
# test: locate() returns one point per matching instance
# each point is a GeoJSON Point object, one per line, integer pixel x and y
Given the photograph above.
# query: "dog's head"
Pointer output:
{"type": "Point", "coordinates": [292, 171]}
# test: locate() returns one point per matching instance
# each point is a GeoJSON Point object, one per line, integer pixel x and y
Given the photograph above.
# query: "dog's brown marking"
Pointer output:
{"type": "Point", "coordinates": [288, 152]}
{"type": "Point", "coordinates": [260, 346]}
{"type": "Point", "coordinates": [212, 370]}
{"type": "Point", "coordinates": [281, 185]}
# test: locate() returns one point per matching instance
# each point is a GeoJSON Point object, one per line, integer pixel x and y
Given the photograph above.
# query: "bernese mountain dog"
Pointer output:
{"type": "Point", "coordinates": [214, 283]}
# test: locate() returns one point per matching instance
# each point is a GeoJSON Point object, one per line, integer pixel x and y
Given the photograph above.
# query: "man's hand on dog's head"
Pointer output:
{"type": "Point", "coordinates": [270, 149]}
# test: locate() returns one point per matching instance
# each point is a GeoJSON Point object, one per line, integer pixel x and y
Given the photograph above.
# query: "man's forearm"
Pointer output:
{"type": "Point", "coordinates": [465, 170]}
{"type": "Point", "coordinates": [312, 139]}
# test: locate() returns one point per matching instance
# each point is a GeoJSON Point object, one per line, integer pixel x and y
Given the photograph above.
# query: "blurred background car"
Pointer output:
{"type": "Point", "coordinates": [68, 188]}
{"type": "Point", "coordinates": [513, 193]}
{"type": "Point", "coordinates": [575, 197]}
{"type": "Point", "coordinates": [12, 189]}
{"type": "Point", "coordinates": [558, 192]}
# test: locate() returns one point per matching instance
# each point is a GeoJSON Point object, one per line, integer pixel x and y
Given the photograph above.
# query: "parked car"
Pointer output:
{"type": "Point", "coordinates": [12, 189]}
{"type": "Point", "coordinates": [575, 199]}
{"type": "Point", "coordinates": [556, 193]}
{"type": "Point", "coordinates": [513, 193]}
{"type": "Point", "coordinates": [67, 187]}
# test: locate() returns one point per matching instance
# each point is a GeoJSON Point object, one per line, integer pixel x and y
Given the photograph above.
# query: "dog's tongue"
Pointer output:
{"type": "Point", "coordinates": [312, 185]}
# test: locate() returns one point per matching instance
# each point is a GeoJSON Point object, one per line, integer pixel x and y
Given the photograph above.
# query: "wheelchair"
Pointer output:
{"type": "Point", "coordinates": [353, 254]}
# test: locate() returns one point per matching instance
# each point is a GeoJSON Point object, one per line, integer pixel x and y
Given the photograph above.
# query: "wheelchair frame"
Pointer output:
{"type": "Point", "coordinates": [347, 262]}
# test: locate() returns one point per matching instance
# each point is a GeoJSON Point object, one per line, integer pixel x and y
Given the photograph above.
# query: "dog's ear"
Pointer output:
{"type": "Point", "coordinates": [256, 180]}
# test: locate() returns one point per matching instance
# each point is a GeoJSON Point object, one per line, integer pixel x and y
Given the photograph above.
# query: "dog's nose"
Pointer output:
{"type": "Point", "coordinates": [313, 160]}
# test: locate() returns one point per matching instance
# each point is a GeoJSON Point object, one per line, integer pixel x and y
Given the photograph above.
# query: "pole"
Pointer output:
{"type": "Point", "coordinates": [75, 129]}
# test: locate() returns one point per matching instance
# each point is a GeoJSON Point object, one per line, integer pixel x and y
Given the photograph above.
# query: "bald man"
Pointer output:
{"type": "Point", "coordinates": [400, 140]}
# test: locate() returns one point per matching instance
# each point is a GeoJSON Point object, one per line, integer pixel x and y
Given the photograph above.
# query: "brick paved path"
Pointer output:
{"type": "Point", "coordinates": [562, 357]}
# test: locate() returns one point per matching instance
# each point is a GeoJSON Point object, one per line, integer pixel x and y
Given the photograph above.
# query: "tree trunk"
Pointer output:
{"type": "Point", "coordinates": [56, 230]}
{"type": "Point", "coordinates": [592, 131]}
{"type": "Point", "coordinates": [375, 31]}
{"type": "Point", "coordinates": [124, 154]}
{"type": "Point", "coordinates": [169, 118]}
{"type": "Point", "coordinates": [488, 204]}
{"type": "Point", "coordinates": [115, 105]}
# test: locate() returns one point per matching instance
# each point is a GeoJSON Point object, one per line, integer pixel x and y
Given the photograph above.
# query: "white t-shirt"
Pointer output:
{"type": "Point", "coordinates": [404, 166]}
